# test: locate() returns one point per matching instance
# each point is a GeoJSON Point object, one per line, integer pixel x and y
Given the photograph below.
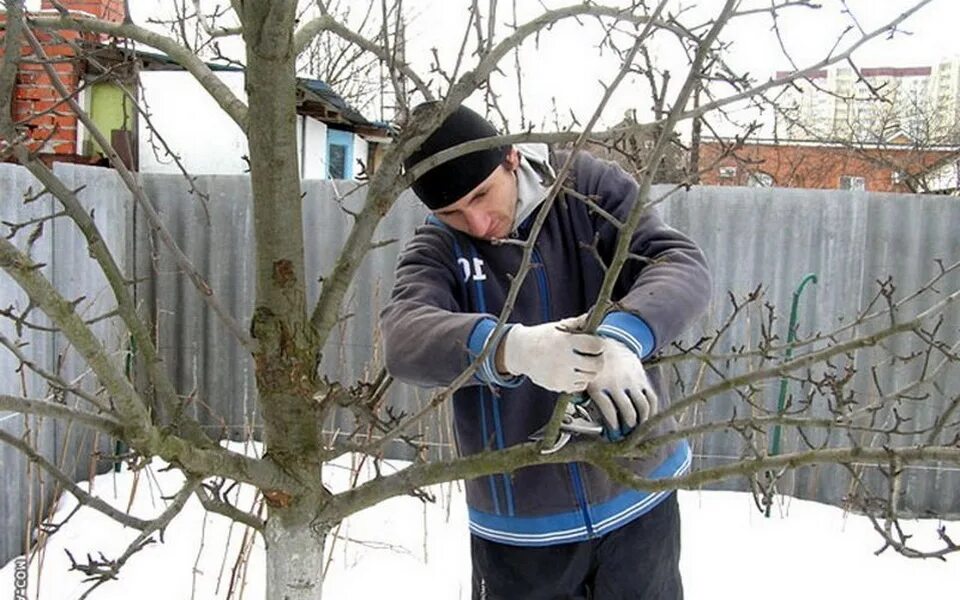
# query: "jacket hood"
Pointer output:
{"type": "Point", "coordinates": [534, 178]}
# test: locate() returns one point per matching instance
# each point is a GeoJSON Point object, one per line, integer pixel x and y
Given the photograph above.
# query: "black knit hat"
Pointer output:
{"type": "Point", "coordinates": [445, 184]}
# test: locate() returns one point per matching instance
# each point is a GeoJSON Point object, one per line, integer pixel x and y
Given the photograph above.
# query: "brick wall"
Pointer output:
{"type": "Point", "coordinates": [882, 168]}
{"type": "Point", "coordinates": [108, 10]}
{"type": "Point", "coordinates": [36, 105]}
{"type": "Point", "coordinates": [51, 124]}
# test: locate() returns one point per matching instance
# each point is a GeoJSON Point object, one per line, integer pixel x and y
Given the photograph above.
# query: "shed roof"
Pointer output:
{"type": "Point", "coordinates": [315, 98]}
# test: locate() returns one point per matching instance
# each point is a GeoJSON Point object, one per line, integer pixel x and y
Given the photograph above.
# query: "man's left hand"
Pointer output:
{"type": "Point", "coordinates": [621, 390]}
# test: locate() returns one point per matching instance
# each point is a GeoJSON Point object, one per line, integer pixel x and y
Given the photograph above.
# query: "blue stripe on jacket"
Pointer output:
{"type": "Point", "coordinates": [494, 399]}
{"type": "Point", "coordinates": [487, 372]}
{"type": "Point", "coordinates": [629, 329]}
{"type": "Point", "coordinates": [569, 526]}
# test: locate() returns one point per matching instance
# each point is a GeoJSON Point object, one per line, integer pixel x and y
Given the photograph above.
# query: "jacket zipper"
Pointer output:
{"type": "Point", "coordinates": [575, 475]}
{"type": "Point", "coordinates": [495, 413]}
{"type": "Point", "coordinates": [580, 492]}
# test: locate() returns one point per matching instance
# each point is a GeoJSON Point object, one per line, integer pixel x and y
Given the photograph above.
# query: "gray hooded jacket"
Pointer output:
{"type": "Point", "coordinates": [441, 314]}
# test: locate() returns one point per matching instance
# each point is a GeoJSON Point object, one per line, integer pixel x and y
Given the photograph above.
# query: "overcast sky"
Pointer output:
{"type": "Point", "coordinates": [565, 68]}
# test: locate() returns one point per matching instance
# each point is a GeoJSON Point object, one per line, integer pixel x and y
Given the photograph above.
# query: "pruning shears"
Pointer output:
{"type": "Point", "coordinates": [578, 420]}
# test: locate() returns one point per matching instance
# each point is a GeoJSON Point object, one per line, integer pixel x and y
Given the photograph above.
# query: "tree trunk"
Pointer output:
{"type": "Point", "coordinates": [286, 357]}
{"type": "Point", "coordinates": [294, 557]}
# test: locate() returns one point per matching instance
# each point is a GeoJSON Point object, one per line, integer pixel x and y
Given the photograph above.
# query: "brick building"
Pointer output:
{"type": "Point", "coordinates": [892, 167]}
{"type": "Point", "coordinates": [117, 87]}
{"type": "Point", "coordinates": [50, 124]}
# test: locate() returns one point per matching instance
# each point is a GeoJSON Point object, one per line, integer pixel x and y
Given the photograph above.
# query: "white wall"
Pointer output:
{"type": "Point", "coordinates": [313, 163]}
{"type": "Point", "coordinates": [360, 147]}
{"type": "Point", "coordinates": [193, 125]}
{"type": "Point", "coordinates": [946, 177]}
{"type": "Point", "coordinates": [206, 139]}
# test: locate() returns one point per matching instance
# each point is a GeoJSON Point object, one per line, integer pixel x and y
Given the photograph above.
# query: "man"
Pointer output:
{"type": "Point", "coordinates": [561, 530]}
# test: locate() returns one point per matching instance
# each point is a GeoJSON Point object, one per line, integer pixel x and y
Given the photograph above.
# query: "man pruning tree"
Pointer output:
{"type": "Point", "coordinates": [558, 530]}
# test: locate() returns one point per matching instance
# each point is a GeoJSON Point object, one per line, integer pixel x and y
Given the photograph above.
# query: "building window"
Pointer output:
{"type": "Point", "coordinates": [728, 172]}
{"type": "Point", "coordinates": [849, 182]}
{"type": "Point", "coordinates": [337, 161]}
{"type": "Point", "coordinates": [339, 154]}
{"type": "Point", "coordinates": [760, 179]}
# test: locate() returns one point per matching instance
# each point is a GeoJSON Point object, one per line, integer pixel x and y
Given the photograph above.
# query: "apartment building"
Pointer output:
{"type": "Point", "coordinates": [872, 105]}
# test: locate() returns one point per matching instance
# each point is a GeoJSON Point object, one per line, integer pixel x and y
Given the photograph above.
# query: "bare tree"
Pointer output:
{"type": "Point", "coordinates": [286, 335]}
{"type": "Point", "coordinates": [359, 76]}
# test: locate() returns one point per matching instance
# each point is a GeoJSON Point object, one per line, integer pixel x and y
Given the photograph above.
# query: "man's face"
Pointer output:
{"type": "Point", "coordinates": [488, 210]}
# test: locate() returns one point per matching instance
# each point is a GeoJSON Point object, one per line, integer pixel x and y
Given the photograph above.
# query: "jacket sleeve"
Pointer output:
{"type": "Point", "coordinates": [428, 340]}
{"type": "Point", "coordinates": [665, 285]}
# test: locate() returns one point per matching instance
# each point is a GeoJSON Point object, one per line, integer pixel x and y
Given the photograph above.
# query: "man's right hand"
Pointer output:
{"type": "Point", "coordinates": [553, 355]}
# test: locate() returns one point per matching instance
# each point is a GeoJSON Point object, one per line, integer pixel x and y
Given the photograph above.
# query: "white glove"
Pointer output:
{"type": "Point", "coordinates": [621, 390]}
{"type": "Point", "coordinates": [553, 355]}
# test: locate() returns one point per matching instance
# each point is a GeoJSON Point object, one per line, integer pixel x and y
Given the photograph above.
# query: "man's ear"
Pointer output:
{"type": "Point", "coordinates": [512, 160]}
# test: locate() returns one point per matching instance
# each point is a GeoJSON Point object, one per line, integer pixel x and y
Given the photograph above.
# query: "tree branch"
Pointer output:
{"type": "Point", "coordinates": [206, 292]}
{"type": "Point", "coordinates": [43, 407]}
{"type": "Point", "coordinates": [104, 571]}
{"type": "Point", "coordinates": [327, 22]}
{"type": "Point", "coordinates": [228, 510]}
{"type": "Point", "coordinates": [219, 91]}
{"type": "Point", "coordinates": [786, 368]}
{"type": "Point", "coordinates": [67, 482]}
{"type": "Point", "coordinates": [26, 273]}
{"type": "Point", "coordinates": [52, 378]}
{"type": "Point", "coordinates": [750, 466]}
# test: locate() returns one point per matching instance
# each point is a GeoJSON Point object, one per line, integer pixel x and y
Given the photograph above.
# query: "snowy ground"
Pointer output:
{"type": "Point", "coordinates": [404, 548]}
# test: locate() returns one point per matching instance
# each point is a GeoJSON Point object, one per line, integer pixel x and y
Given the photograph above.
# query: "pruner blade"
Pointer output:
{"type": "Point", "coordinates": [576, 421]}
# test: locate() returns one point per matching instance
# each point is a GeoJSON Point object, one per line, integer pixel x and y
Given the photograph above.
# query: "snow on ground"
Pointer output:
{"type": "Point", "coordinates": [404, 548]}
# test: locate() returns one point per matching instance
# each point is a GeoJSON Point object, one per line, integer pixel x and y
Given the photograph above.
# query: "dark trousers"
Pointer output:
{"type": "Point", "coordinates": [641, 560]}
